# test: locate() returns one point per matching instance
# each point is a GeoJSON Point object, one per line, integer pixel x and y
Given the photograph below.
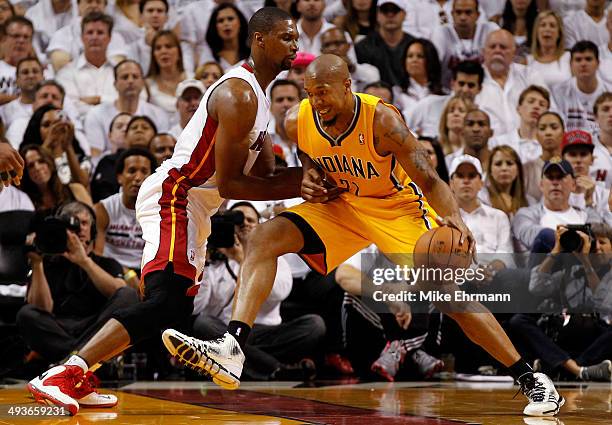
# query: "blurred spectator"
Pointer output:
{"type": "Point", "coordinates": [601, 169]}
{"type": "Point", "coordinates": [576, 97]}
{"type": "Point", "coordinates": [288, 6]}
{"type": "Point", "coordinates": [226, 37]}
{"type": "Point", "coordinates": [51, 128]}
{"type": "Point", "coordinates": [577, 149]}
{"type": "Point", "coordinates": [162, 146]}
{"type": "Point", "coordinates": [435, 156]}
{"type": "Point", "coordinates": [311, 25]}
{"type": "Point", "coordinates": [71, 295]}
{"type": "Point", "coordinates": [518, 17]}
{"type": "Point", "coordinates": [129, 83]}
{"type": "Point", "coordinates": [273, 344]}
{"type": "Point", "coordinates": [548, 57]}
{"type": "Point", "coordinates": [463, 39]}
{"type": "Point", "coordinates": [505, 186]}
{"type": "Point", "coordinates": [298, 68]}
{"type": "Point", "coordinates": [284, 94]}
{"type": "Point", "coordinates": [335, 42]}
{"type": "Point", "coordinates": [208, 73]}
{"type": "Point", "coordinates": [29, 74]}
{"type": "Point", "coordinates": [66, 44]}
{"type": "Point", "coordinates": [549, 134]}
{"type": "Point", "coordinates": [452, 121]}
{"type": "Point", "coordinates": [359, 20]}
{"type": "Point", "coordinates": [566, 7]}
{"type": "Point", "coordinates": [116, 134]}
{"type": "Point", "coordinates": [533, 101]}
{"type": "Point", "coordinates": [17, 45]}
{"type": "Point", "coordinates": [41, 183]}
{"type": "Point", "coordinates": [384, 47]}
{"type": "Point", "coordinates": [587, 24]}
{"type": "Point", "coordinates": [119, 235]}
{"type": "Point", "coordinates": [605, 54]}
{"type": "Point", "coordinates": [381, 89]}
{"type": "Point", "coordinates": [165, 73]}
{"type": "Point", "coordinates": [48, 16]}
{"type": "Point", "coordinates": [466, 82]}
{"type": "Point", "coordinates": [12, 198]}
{"type": "Point", "coordinates": [475, 137]}
{"type": "Point", "coordinates": [138, 134]}
{"type": "Point", "coordinates": [188, 96]}
{"type": "Point", "coordinates": [421, 77]}
{"type": "Point", "coordinates": [7, 10]}
{"type": "Point", "coordinates": [504, 82]}
{"type": "Point", "coordinates": [154, 14]}
{"type": "Point", "coordinates": [534, 226]}
{"type": "Point", "coordinates": [88, 78]}
{"type": "Point", "coordinates": [128, 20]}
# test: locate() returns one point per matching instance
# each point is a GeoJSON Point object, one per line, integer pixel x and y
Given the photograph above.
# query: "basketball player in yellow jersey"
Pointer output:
{"type": "Point", "coordinates": [365, 146]}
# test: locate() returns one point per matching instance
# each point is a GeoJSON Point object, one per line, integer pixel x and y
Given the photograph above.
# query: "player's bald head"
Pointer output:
{"type": "Point", "coordinates": [327, 68]}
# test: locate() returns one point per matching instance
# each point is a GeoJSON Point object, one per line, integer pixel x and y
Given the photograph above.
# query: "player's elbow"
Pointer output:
{"type": "Point", "coordinates": [227, 189]}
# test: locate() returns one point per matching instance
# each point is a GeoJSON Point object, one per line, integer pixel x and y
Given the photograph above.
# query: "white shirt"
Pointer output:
{"type": "Point", "coordinates": [601, 169]}
{"type": "Point", "coordinates": [576, 107]}
{"type": "Point", "coordinates": [580, 26]}
{"type": "Point", "coordinates": [527, 149]}
{"type": "Point", "coordinates": [425, 116]}
{"type": "Point", "coordinates": [551, 219]}
{"type": "Point", "coordinates": [80, 79]}
{"type": "Point", "coordinates": [165, 101]}
{"type": "Point", "coordinates": [217, 293]}
{"type": "Point", "coordinates": [46, 21]}
{"type": "Point", "coordinates": [406, 101]}
{"type": "Point", "coordinates": [600, 199]}
{"type": "Point", "coordinates": [98, 120]}
{"type": "Point", "coordinates": [7, 78]}
{"type": "Point", "coordinates": [605, 64]}
{"type": "Point", "coordinates": [491, 228]}
{"type": "Point", "coordinates": [363, 75]}
{"type": "Point", "coordinates": [500, 102]}
{"type": "Point", "coordinates": [14, 110]}
{"type": "Point", "coordinates": [553, 72]}
{"type": "Point", "coordinates": [313, 45]}
{"type": "Point", "coordinates": [565, 7]}
{"type": "Point", "coordinates": [13, 199]}
{"type": "Point", "coordinates": [176, 130]}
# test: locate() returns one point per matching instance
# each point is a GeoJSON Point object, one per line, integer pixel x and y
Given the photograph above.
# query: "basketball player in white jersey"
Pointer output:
{"type": "Point", "coordinates": [215, 157]}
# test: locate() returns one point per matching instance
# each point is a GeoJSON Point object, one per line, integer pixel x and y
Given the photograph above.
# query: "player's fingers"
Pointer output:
{"type": "Point", "coordinates": [313, 186]}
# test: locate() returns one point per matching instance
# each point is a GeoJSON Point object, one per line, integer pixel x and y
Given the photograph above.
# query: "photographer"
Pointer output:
{"type": "Point", "coordinates": [272, 347]}
{"type": "Point", "coordinates": [581, 342]}
{"type": "Point", "coordinates": [71, 294]}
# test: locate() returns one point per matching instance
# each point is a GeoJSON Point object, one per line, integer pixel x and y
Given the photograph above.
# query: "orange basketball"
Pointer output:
{"type": "Point", "coordinates": [441, 248]}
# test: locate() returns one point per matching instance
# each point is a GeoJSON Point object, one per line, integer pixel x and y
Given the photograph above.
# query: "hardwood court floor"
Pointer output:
{"type": "Point", "coordinates": [425, 403]}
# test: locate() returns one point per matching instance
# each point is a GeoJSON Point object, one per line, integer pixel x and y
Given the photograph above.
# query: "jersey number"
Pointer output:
{"type": "Point", "coordinates": [347, 185]}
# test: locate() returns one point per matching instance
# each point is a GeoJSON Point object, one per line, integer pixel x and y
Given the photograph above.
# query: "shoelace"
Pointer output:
{"type": "Point", "coordinates": [533, 389]}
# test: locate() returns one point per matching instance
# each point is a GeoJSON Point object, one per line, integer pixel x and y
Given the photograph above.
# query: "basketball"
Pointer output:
{"type": "Point", "coordinates": [441, 248]}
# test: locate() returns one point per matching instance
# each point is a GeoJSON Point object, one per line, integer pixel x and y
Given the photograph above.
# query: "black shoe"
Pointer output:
{"type": "Point", "coordinates": [304, 370]}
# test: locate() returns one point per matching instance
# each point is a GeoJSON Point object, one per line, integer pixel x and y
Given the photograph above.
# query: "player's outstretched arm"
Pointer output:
{"type": "Point", "coordinates": [393, 137]}
{"type": "Point", "coordinates": [234, 106]}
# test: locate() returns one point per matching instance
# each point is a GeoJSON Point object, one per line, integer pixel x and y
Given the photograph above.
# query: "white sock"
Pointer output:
{"type": "Point", "coordinates": [78, 361]}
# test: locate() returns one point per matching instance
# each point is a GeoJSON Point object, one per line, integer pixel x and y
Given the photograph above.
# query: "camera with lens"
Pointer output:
{"type": "Point", "coordinates": [223, 228]}
{"type": "Point", "coordinates": [51, 237]}
{"type": "Point", "coordinates": [571, 241]}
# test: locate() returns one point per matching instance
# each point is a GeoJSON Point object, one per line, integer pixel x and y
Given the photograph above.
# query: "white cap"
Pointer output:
{"type": "Point", "coordinates": [399, 3]}
{"type": "Point", "coordinates": [185, 84]}
{"type": "Point", "coordinates": [465, 159]}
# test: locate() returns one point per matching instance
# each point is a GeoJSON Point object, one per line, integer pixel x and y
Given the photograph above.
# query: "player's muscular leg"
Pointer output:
{"type": "Point", "coordinates": [268, 241]}
{"type": "Point", "coordinates": [109, 341]}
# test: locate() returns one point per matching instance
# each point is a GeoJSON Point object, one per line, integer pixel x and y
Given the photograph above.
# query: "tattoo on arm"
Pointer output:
{"type": "Point", "coordinates": [398, 134]}
{"type": "Point", "coordinates": [420, 161]}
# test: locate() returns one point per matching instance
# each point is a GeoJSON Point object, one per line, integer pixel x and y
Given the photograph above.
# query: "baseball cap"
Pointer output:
{"type": "Point", "coordinates": [465, 159]}
{"type": "Point", "coordinates": [399, 3]}
{"type": "Point", "coordinates": [577, 138]}
{"type": "Point", "coordinates": [185, 84]}
{"type": "Point", "coordinates": [561, 164]}
{"type": "Point", "coordinates": [302, 59]}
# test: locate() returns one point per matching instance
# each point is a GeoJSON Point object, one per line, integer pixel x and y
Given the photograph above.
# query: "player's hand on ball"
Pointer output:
{"type": "Point", "coordinates": [316, 189]}
{"type": "Point", "coordinates": [456, 221]}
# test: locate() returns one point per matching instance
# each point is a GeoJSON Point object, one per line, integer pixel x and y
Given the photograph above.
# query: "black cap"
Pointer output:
{"type": "Point", "coordinates": [561, 164]}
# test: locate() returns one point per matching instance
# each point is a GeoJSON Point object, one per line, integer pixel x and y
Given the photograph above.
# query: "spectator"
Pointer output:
{"type": "Point", "coordinates": [587, 24]}
{"type": "Point", "coordinates": [602, 164]}
{"type": "Point", "coordinates": [66, 44]}
{"type": "Point", "coordinates": [162, 147]}
{"type": "Point", "coordinates": [311, 25]}
{"type": "Point", "coordinates": [119, 235]}
{"type": "Point", "coordinates": [533, 101]}
{"type": "Point", "coordinates": [298, 67]}
{"type": "Point", "coordinates": [116, 134]}
{"type": "Point", "coordinates": [474, 138]}
{"type": "Point", "coordinates": [128, 20]}
{"type": "Point", "coordinates": [11, 198]}
{"type": "Point", "coordinates": [421, 77]}
{"type": "Point", "coordinates": [466, 81]}
{"type": "Point", "coordinates": [188, 96]}
{"type": "Point", "coordinates": [71, 295]}
{"type": "Point", "coordinates": [29, 74]}
{"type": "Point", "coordinates": [548, 57]}
{"type": "Point", "coordinates": [577, 149]}
{"type": "Point", "coordinates": [284, 94]}
{"type": "Point", "coordinates": [381, 89]}
{"type": "Point", "coordinates": [384, 47]}
{"type": "Point", "coordinates": [359, 20]}
{"type": "Point", "coordinates": [585, 287]}
{"type": "Point", "coordinates": [505, 187]}
{"type": "Point", "coordinates": [435, 156]}
{"type": "Point", "coordinates": [165, 73]}
{"type": "Point", "coordinates": [48, 16]}
{"type": "Point", "coordinates": [452, 123]}
{"type": "Point", "coordinates": [88, 79]}
{"type": "Point", "coordinates": [17, 45]}
{"type": "Point", "coordinates": [518, 17]}
{"type": "Point", "coordinates": [504, 82]}
{"type": "Point", "coordinates": [605, 54]}
{"type": "Point", "coordinates": [463, 39]}
{"type": "Point", "coordinates": [7, 10]}
{"type": "Point", "coordinates": [425, 16]}
{"type": "Point", "coordinates": [534, 226]}
{"type": "Point", "coordinates": [208, 73]}
{"type": "Point", "coordinates": [129, 83]}
{"type": "Point", "coordinates": [273, 344]}
{"type": "Point", "coordinates": [43, 186]}
{"type": "Point", "coordinates": [226, 36]}
{"type": "Point", "coordinates": [335, 41]}
{"type": "Point", "coordinates": [138, 134]}
{"type": "Point", "coordinates": [576, 97]}
{"type": "Point", "coordinates": [566, 7]}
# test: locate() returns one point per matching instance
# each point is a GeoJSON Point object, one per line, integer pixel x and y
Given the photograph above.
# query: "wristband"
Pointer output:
{"type": "Point", "coordinates": [129, 275]}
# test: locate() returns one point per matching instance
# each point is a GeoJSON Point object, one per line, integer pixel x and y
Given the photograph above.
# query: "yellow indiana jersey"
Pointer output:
{"type": "Point", "coordinates": [350, 159]}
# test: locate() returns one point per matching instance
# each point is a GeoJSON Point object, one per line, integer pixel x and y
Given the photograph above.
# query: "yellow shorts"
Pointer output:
{"type": "Point", "coordinates": [335, 231]}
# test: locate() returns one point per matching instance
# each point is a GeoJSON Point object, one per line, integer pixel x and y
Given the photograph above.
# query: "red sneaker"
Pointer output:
{"type": "Point", "coordinates": [87, 396]}
{"type": "Point", "coordinates": [339, 363]}
{"type": "Point", "coordinates": [58, 386]}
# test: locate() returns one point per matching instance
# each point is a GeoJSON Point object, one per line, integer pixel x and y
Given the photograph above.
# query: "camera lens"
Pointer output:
{"type": "Point", "coordinates": [570, 241]}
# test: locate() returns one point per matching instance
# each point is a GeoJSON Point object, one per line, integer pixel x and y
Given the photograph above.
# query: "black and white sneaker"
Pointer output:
{"type": "Point", "coordinates": [544, 400]}
{"type": "Point", "coordinates": [221, 358]}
